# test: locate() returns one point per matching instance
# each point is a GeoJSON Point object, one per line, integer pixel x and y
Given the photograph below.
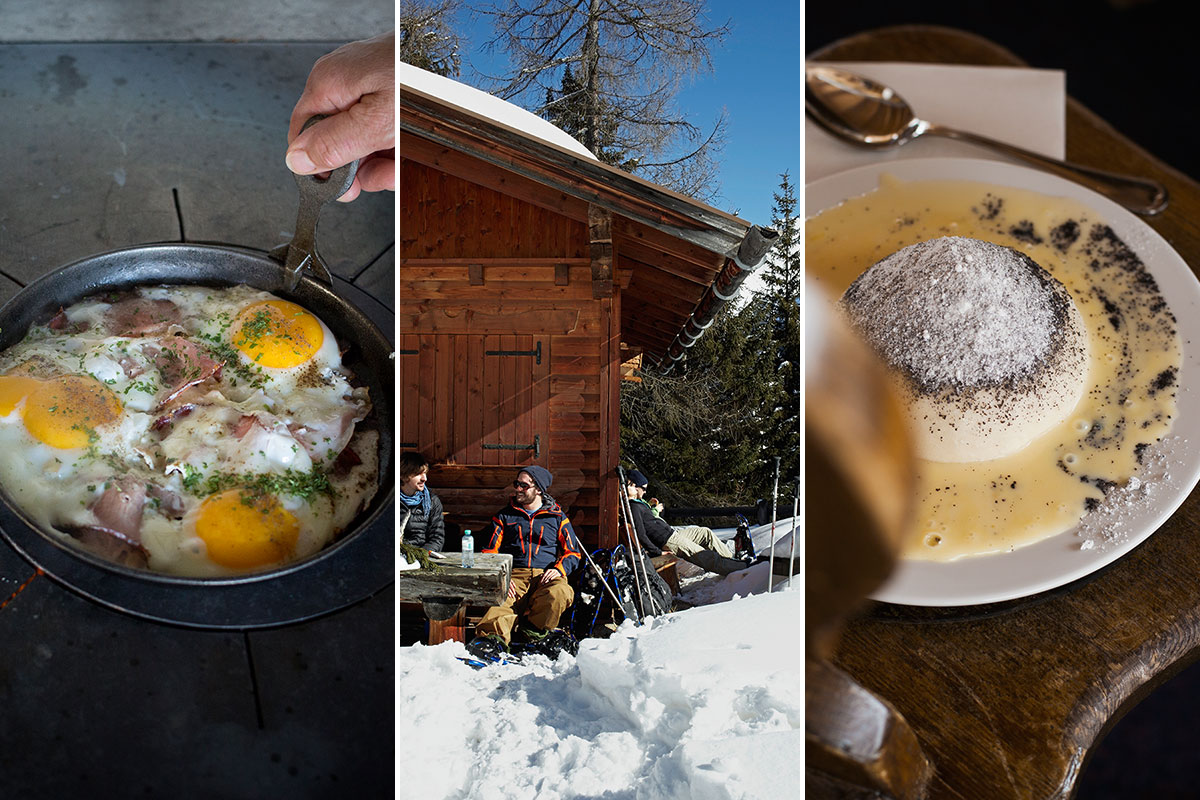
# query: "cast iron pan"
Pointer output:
{"type": "Point", "coordinates": [355, 567]}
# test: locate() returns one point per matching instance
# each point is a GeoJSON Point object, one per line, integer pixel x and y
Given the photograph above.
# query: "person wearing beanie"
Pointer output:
{"type": "Point", "coordinates": [693, 543]}
{"type": "Point", "coordinates": [539, 537]}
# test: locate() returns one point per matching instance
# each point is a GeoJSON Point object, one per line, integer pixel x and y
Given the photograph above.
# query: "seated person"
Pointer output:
{"type": "Point", "coordinates": [545, 551]}
{"type": "Point", "coordinates": [692, 543]}
{"type": "Point", "coordinates": [421, 522]}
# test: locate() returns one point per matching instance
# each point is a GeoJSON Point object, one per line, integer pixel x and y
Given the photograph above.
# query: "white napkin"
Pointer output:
{"type": "Point", "coordinates": [1018, 105]}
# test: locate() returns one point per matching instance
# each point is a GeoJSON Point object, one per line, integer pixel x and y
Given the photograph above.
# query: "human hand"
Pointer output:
{"type": "Point", "coordinates": [550, 575]}
{"type": "Point", "coordinates": [355, 88]}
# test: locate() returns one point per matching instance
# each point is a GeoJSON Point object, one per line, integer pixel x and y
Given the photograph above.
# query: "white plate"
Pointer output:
{"type": "Point", "coordinates": [1059, 559]}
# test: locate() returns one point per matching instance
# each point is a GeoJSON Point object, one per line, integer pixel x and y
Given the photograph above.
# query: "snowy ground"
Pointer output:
{"type": "Point", "coordinates": [707, 588]}
{"type": "Point", "coordinates": [703, 704]}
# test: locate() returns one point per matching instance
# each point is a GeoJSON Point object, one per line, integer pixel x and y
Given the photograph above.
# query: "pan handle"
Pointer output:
{"type": "Point", "coordinates": [300, 254]}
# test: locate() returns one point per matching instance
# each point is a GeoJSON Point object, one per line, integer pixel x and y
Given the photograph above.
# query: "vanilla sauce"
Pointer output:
{"type": "Point", "coordinates": [973, 508]}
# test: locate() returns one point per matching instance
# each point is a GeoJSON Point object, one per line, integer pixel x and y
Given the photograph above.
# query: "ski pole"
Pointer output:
{"type": "Point", "coordinates": [641, 557]}
{"type": "Point", "coordinates": [774, 503]}
{"type": "Point", "coordinates": [795, 527]}
{"type": "Point", "coordinates": [630, 536]}
{"type": "Point", "coordinates": [635, 546]}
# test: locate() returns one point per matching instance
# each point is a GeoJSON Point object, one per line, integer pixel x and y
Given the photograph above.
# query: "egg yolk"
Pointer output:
{"type": "Point", "coordinates": [14, 389]}
{"type": "Point", "coordinates": [66, 411]}
{"type": "Point", "coordinates": [277, 334]}
{"type": "Point", "coordinates": [243, 531]}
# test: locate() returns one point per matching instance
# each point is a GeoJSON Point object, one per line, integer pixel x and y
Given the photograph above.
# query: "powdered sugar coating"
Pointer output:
{"type": "Point", "coordinates": [960, 314]}
{"type": "Point", "coordinates": [988, 349]}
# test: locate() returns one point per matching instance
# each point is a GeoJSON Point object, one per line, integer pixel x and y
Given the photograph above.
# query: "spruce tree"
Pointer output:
{"type": "Point", "coordinates": [781, 277]}
{"type": "Point", "coordinates": [708, 432]}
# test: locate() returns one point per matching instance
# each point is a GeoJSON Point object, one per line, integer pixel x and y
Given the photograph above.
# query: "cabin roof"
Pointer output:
{"type": "Point", "coordinates": [669, 247]}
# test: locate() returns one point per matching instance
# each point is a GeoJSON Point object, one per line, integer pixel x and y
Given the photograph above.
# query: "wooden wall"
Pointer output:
{"type": "Point", "coordinates": [487, 284]}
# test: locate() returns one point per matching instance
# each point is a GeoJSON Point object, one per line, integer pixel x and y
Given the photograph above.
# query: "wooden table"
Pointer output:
{"type": "Point", "coordinates": [1007, 700]}
{"type": "Point", "coordinates": [445, 593]}
{"type": "Point", "coordinates": [109, 146]}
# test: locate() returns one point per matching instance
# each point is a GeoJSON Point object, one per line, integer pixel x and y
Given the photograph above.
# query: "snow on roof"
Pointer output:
{"type": "Point", "coordinates": [485, 105]}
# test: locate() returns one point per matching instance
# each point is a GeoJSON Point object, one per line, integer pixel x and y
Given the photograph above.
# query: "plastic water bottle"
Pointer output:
{"type": "Point", "coordinates": [468, 549]}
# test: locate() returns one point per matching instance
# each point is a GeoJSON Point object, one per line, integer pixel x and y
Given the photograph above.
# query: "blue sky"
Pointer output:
{"type": "Point", "coordinates": [756, 78]}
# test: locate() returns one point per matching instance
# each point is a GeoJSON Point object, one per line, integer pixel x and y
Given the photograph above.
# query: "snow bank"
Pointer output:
{"type": "Point", "coordinates": [704, 704]}
{"type": "Point", "coordinates": [708, 588]}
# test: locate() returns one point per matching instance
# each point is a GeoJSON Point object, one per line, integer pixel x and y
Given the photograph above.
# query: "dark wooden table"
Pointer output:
{"type": "Point", "coordinates": [445, 594]}
{"type": "Point", "coordinates": [1008, 700]}
{"type": "Point", "coordinates": [112, 145]}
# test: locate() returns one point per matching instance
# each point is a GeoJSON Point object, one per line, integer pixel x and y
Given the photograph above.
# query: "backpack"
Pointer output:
{"type": "Point", "coordinates": [658, 594]}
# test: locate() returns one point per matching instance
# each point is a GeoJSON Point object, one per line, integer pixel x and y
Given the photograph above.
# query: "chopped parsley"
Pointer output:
{"type": "Point", "coordinates": [225, 353]}
{"type": "Point", "coordinates": [255, 328]}
{"type": "Point", "coordinates": [305, 485]}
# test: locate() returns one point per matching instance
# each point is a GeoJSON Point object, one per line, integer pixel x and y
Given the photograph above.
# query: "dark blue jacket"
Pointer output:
{"type": "Point", "coordinates": [421, 531]}
{"type": "Point", "coordinates": [539, 540]}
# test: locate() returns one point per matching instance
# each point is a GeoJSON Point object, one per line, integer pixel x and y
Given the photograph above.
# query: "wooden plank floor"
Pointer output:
{"type": "Point", "coordinates": [113, 145]}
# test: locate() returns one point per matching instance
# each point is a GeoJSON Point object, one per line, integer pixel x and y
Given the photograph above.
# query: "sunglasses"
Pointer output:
{"type": "Point", "coordinates": [522, 485]}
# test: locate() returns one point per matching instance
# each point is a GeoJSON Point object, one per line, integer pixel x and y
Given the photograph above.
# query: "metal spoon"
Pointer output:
{"type": "Point", "coordinates": [863, 112]}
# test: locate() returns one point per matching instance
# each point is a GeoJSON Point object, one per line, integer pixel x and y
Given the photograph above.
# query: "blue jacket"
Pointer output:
{"type": "Point", "coordinates": [539, 540]}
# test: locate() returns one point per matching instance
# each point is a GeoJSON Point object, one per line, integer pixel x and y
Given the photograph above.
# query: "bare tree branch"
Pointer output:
{"type": "Point", "coordinates": [608, 72]}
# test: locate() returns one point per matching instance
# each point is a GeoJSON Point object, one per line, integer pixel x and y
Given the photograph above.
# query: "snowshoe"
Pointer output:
{"type": "Point", "coordinates": [490, 648]}
{"type": "Point", "coordinates": [550, 644]}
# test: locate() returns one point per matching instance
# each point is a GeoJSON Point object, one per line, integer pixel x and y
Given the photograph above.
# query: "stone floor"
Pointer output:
{"type": "Point", "coordinates": [190, 21]}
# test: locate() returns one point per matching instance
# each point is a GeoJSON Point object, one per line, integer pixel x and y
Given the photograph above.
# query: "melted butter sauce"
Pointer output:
{"type": "Point", "coordinates": [998, 505]}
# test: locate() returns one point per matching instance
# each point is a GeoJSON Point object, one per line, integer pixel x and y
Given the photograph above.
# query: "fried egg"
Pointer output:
{"type": "Point", "coordinates": [186, 429]}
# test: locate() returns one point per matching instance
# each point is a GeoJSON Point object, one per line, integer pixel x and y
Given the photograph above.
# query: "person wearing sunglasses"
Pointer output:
{"type": "Point", "coordinates": [538, 535]}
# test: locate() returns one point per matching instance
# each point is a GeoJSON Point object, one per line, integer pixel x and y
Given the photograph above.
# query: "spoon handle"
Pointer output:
{"type": "Point", "coordinates": [1139, 195]}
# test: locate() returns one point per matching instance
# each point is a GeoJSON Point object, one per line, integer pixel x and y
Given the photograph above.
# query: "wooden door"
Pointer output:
{"type": "Point", "coordinates": [475, 400]}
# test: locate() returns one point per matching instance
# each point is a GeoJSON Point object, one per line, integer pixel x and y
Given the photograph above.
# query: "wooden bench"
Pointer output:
{"type": "Point", "coordinates": [664, 565]}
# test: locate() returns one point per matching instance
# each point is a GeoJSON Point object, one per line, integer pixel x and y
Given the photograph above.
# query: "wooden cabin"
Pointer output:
{"type": "Point", "coordinates": [529, 272]}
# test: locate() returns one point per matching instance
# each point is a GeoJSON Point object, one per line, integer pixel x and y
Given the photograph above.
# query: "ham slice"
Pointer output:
{"type": "Point", "coordinates": [59, 322]}
{"type": "Point", "coordinates": [140, 316]}
{"type": "Point", "coordinates": [119, 509]}
{"type": "Point", "coordinates": [245, 423]}
{"type": "Point", "coordinates": [117, 534]}
{"type": "Point", "coordinates": [167, 419]}
{"type": "Point", "coordinates": [182, 364]}
{"type": "Point", "coordinates": [105, 544]}
{"type": "Point", "coordinates": [169, 502]}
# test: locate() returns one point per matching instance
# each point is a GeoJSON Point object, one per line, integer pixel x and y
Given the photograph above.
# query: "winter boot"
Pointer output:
{"type": "Point", "coordinates": [713, 561]}
{"type": "Point", "coordinates": [743, 545]}
{"type": "Point", "coordinates": [488, 648]}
